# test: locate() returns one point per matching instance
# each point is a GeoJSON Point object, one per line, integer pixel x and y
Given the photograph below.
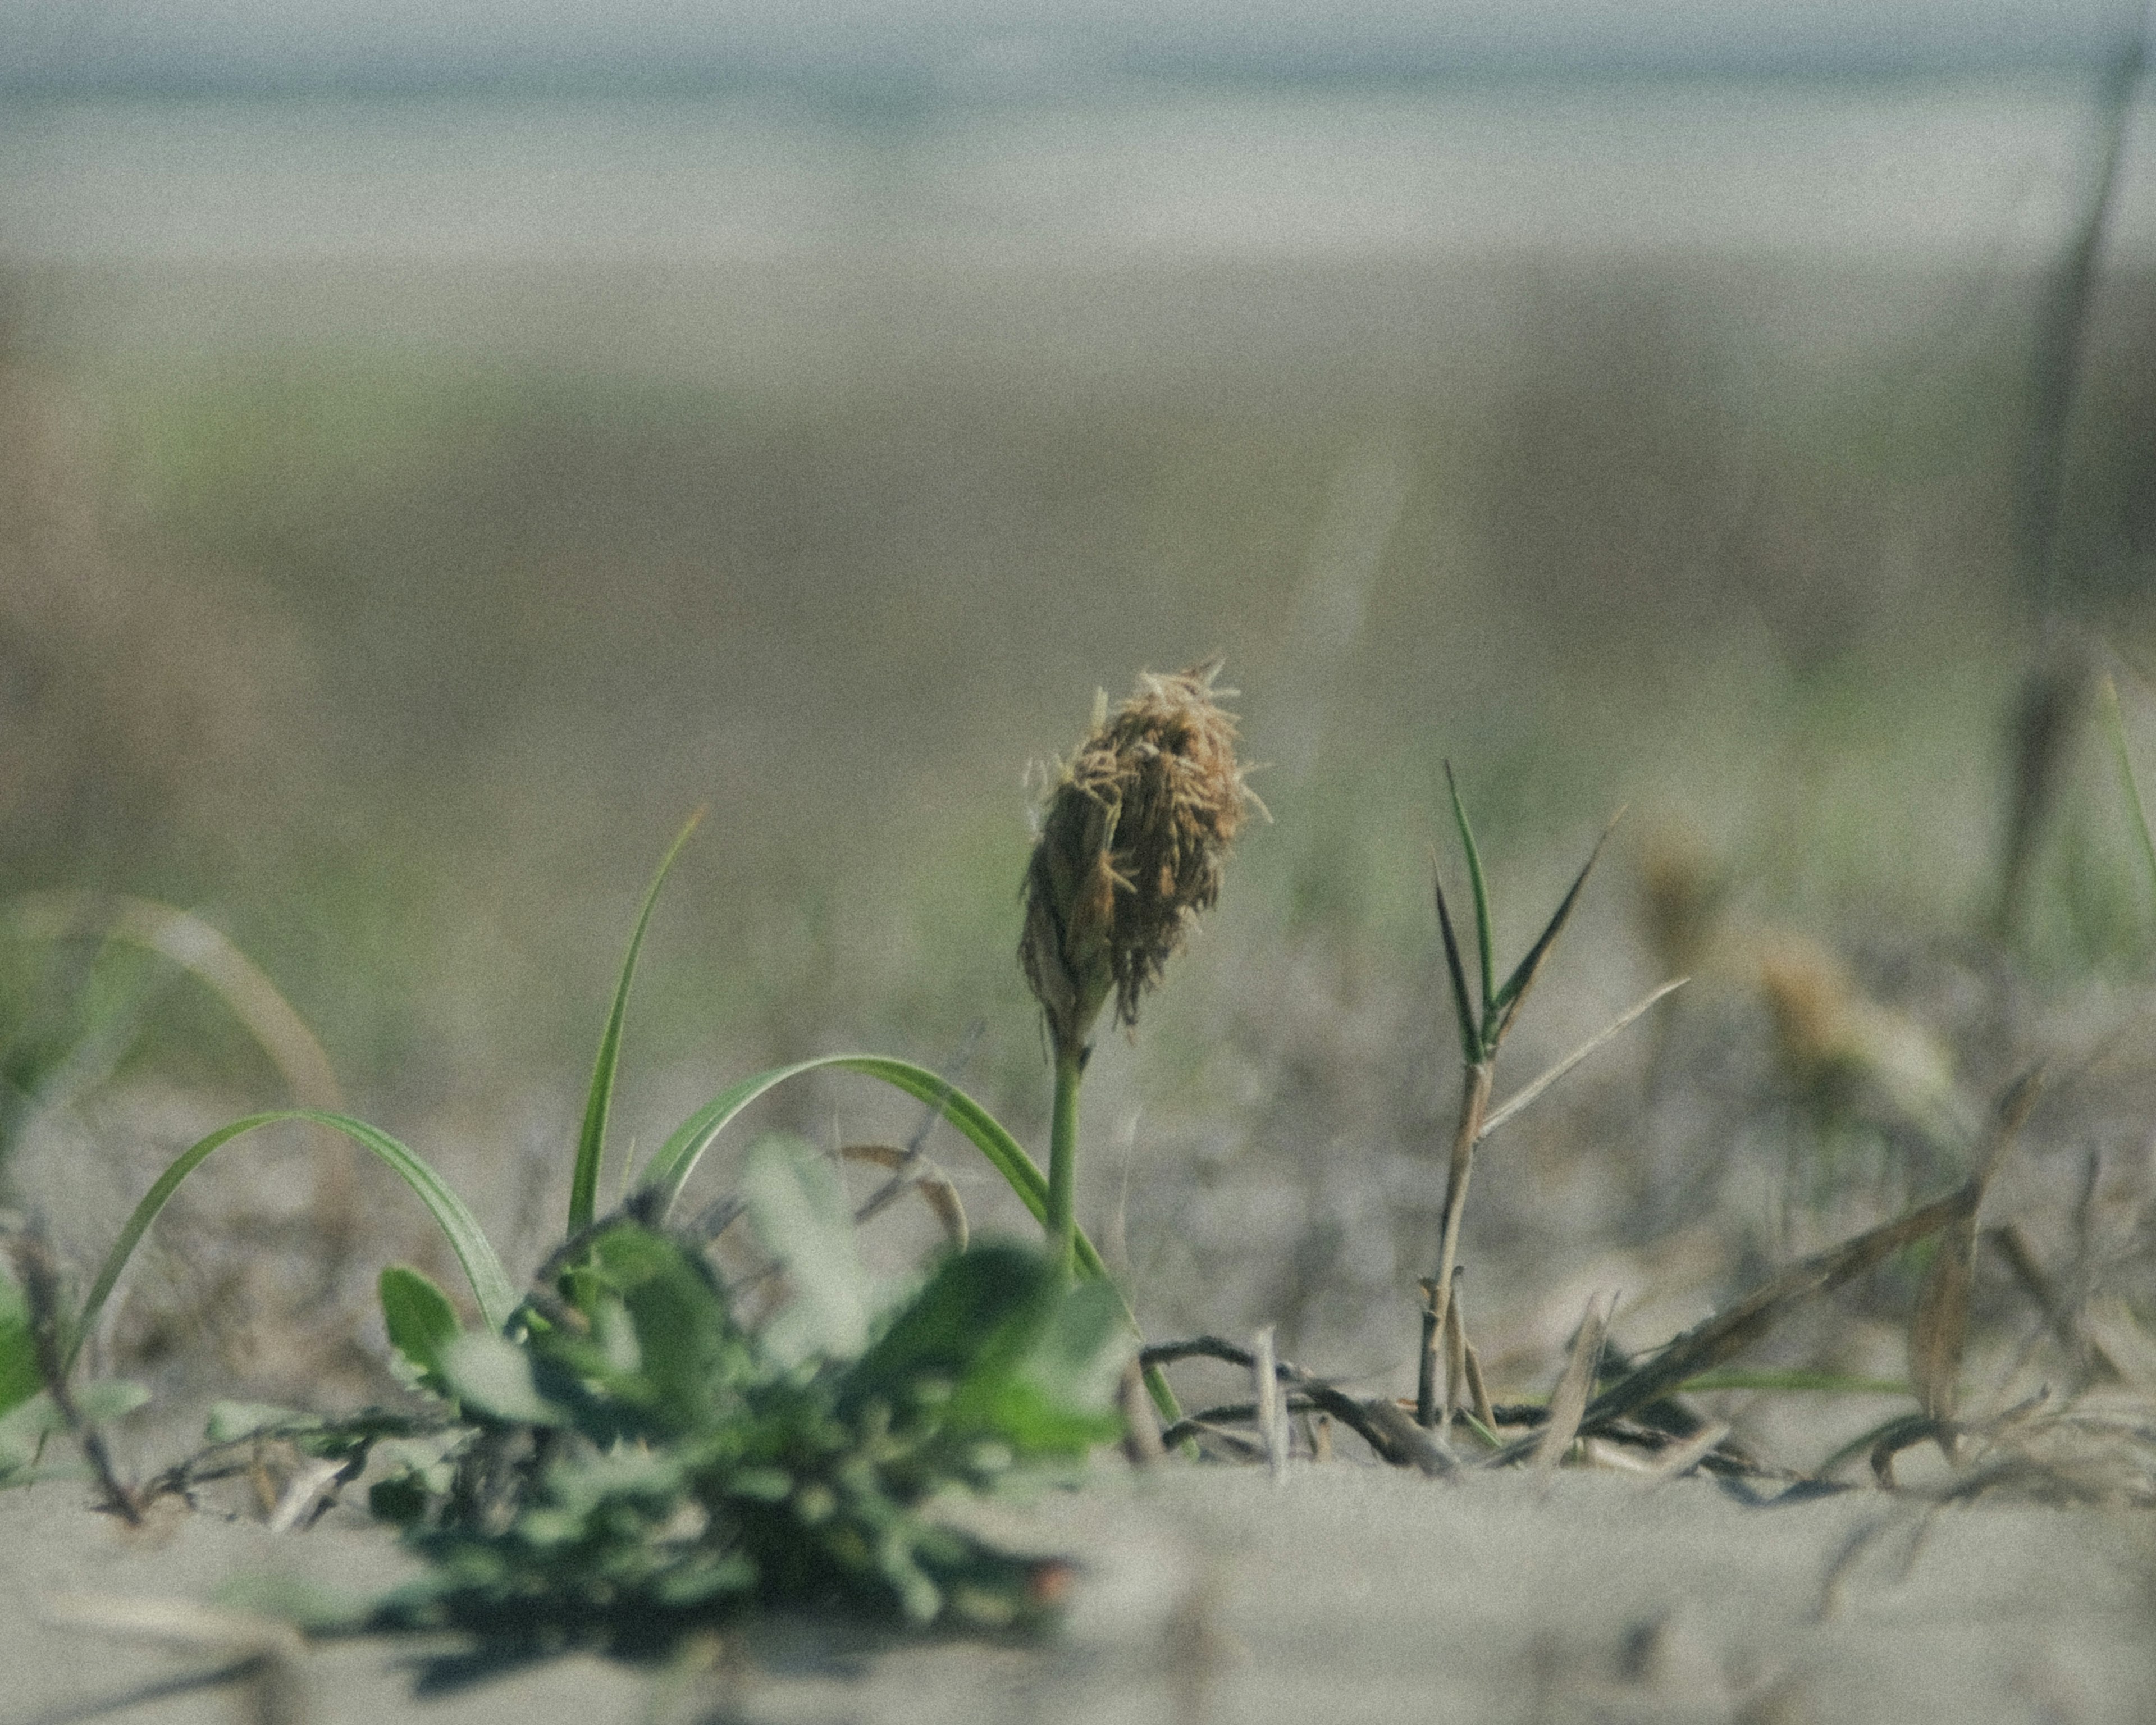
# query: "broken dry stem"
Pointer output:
{"type": "Point", "coordinates": [1380, 1423]}
{"type": "Point", "coordinates": [1474, 1104]}
{"type": "Point", "coordinates": [40, 1280]}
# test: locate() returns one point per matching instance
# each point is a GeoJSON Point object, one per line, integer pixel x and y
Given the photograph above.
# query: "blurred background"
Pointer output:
{"type": "Point", "coordinates": [442, 446]}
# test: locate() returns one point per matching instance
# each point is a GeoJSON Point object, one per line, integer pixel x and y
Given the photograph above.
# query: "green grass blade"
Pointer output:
{"type": "Point", "coordinates": [1470, 1038]}
{"type": "Point", "coordinates": [1825, 1383]}
{"type": "Point", "coordinates": [676, 1159]}
{"type": "Point", "coordinates": [591, 1141]}
{"type": "Point", "coordinates": [2117, 720]}
{"type": "Point", "coordinates": [491, 1285]}
{"type": "Point", "coordinates": [1482, 936]}
{"type": "Point", "coordinates": [1515, 990]}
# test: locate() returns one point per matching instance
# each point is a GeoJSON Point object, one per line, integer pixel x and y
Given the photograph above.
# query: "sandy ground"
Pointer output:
{"type": "Point", "coordinates": [1345, 1594]}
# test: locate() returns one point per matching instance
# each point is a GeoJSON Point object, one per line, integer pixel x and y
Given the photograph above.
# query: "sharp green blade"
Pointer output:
{"type": "Point", "coordinates": [1470, 1039]}
{"type": "Point", "coordinates": [1515, 990]}
{"type": "Point", "coordinates": [591, 1141]}
{"type": "Point", "coordinates": [1482, 938]}
{"type": "Point", "coordinates": [490, 1284]}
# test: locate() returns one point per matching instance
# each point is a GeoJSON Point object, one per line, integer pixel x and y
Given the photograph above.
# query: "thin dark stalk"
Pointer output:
{"type": "Point", "coordinates": [2062, 337]}
{"type": "Point", "coordinates": [41, 1292]}
{"type": "Point", "coordinates": [2049, 712]}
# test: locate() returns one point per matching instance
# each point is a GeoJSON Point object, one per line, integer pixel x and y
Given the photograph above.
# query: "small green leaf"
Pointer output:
{"type": "Point", "coordinates": [997, 1349]}
{"type": "Point", "coordinates": [1062, 1402]}
{"type": "Point", "coordinates": [664, 1340]}
{"type": "Point", "coordinates": [799, 1212]}
{"type": "Point", "coordinates": [108, 1398]}
{"type": "Point", "coordinates": [28, 1425]}
{"type": "Point", "coordinates": [591, 1141]}
{"type": "Point", "coordinates": [421, 1322]}
{"type": "Point", "coordinates": [493, 1377]}
{"type": "Point", "coordinates": [19, 1377]}
{"type": "Point", "coordinates": [979, 1305]}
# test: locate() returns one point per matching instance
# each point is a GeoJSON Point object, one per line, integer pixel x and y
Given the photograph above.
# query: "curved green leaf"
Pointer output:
{"type": "Point", "coordinates": [676, 1159]}
{"type": "Point", "coordinates": [491, 1285]}
{"type": "Point", "coordinates": [591, 1141]}
{"type": "Point", "coordinates": [669, 1170]}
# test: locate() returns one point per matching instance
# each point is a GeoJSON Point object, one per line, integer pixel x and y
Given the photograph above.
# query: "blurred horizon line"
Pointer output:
{"type": "Point", "coordinates": [921, 69]}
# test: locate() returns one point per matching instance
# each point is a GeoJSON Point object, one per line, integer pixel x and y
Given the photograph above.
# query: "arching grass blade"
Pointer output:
{"type": "Point", "coordinates": [591, 1141]}
{"type": "Point", "coordinates": [676, 1159]}
{"type": "Point", "coordinates": [206, 954]}
{"type": "Point", "coordinates": [491, 1285]}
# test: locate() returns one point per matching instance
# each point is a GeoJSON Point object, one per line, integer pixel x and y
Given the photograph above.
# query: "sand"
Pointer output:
{"type": "Point", "coordinates": [1344, 1593]}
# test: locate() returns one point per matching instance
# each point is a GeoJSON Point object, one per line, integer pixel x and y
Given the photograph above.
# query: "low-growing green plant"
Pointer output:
{"type": "Point", "coordinates": [1482, 1032]}
{"type": "Point", "coordinates": [619, 1452]}
{"type": "Point", "coordinates": [636, 1458]}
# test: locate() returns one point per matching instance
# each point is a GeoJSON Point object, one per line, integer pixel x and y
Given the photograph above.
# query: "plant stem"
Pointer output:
{"type": "Point", "coordinates": [1062, 1219]}
{"type": "Point", "coordinates": [1474, 1104]}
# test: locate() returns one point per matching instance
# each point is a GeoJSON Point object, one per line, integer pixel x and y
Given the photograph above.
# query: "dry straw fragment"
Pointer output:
{"type": "Point", "coordinates": [1568, 1402]}
{"type": "Point", "coordinates": [1131, 845]}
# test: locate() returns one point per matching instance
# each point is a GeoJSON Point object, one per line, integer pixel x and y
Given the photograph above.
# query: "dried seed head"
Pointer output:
{"type": "Point", "coordinates": [1131, 843]}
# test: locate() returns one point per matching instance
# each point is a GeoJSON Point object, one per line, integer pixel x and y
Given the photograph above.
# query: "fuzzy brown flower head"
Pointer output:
{"type": "Point", "coordinates": [1131, 843]}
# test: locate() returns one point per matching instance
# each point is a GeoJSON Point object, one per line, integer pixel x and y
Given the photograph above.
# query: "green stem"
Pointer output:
{"type": "Point", "coordinates": [1062, 1218]}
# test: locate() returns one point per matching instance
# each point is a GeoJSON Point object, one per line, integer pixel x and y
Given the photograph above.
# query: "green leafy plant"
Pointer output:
{"type": "Point", "coordinates": [619, 1451]}
{"type": "Point", "coordinates": [638, 1458]}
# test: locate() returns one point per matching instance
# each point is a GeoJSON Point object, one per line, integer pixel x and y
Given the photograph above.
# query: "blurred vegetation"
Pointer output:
{"type": "Point", "coordinates": [398, 663]}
